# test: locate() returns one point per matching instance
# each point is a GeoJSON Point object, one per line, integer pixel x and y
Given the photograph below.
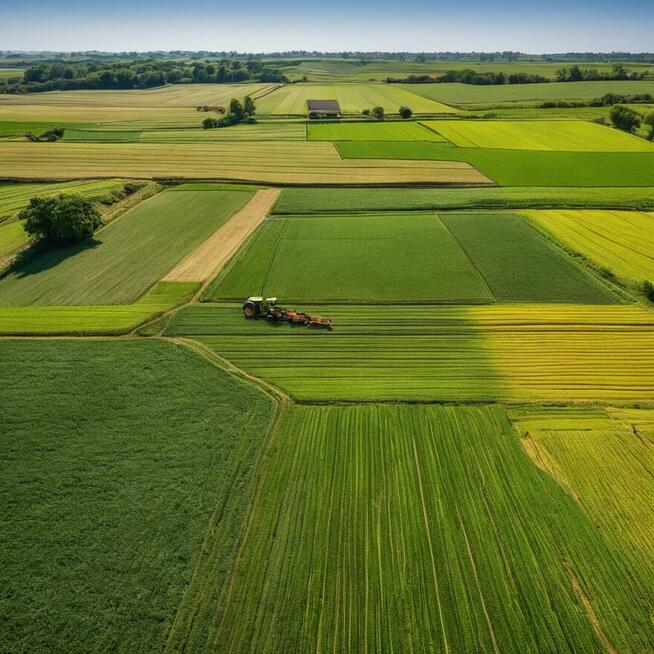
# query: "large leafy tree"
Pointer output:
{"type": "Point", "coordinates": [61, 220]}
{"type": "Point", "coordinates": [625, 119]}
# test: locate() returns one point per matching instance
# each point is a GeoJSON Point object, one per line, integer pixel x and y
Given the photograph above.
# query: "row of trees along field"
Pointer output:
{"type": "Point", "coordinates": [137, 74]}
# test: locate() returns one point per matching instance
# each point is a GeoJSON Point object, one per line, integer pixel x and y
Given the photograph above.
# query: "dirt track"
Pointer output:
{"type": "Point", "coordinates": [209, 257]}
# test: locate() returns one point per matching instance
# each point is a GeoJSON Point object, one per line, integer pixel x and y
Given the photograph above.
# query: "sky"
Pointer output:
{"type": "Point", "coordinates": [330, 26]}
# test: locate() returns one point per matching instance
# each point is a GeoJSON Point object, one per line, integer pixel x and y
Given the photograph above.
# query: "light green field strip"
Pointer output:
{"type": "Point", "coordinates": [416, 529]}
{"type": "Point", "coordinates": [604, 463]}
{"type": "Point", "coordinates": [485, 353]}
{"type": "Point", "coordinates": [274, 162]}
{"type": "Point", "coordinates": [12, 237]}
{"type": "Point", "coordinates": [125, 258]}
{"type": "Point", "coordinates": [14, 197]}
{"type": "Point", "coordinates": [622, 241]}
{"type": "Point", "coordinates": [376, 257]}
{"type": "Point", "coordinates": [126, 474]}
{"type": "Point", "coordinates": [562, 135]}
{"type": "Point", "coordinates": [260, 132]}
{"type": "Point", "coordinates": [97, 319]}
{"type": "Point", "coordinates": [489, 94]}
{"type": "Point", "coordinates": [353, 98]}
{"type": "Point", "coordinates": [388, 131]}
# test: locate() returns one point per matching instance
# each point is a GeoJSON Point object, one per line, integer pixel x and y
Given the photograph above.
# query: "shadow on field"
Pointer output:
{"type": "Point", "coordinates": [33, 261]}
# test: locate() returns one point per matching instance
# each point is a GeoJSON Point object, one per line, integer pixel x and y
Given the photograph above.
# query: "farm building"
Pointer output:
{"type": "Point", "coordinates": [323, 108]}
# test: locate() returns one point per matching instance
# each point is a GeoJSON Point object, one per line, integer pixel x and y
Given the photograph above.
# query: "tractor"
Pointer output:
{"type": "Point", "coordinates": [256, 308]}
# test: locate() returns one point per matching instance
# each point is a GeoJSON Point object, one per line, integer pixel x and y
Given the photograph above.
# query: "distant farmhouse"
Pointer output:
{"type": "Point", "coordinates": [324, 108]}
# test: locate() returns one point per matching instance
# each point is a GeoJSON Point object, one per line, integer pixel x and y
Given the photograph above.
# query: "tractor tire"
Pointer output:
{"type": "Point", "coordinates": [250, 310]}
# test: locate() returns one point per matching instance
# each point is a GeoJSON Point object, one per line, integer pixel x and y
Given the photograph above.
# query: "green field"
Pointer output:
{"type": "Point", "coordinates": [563, 135]}
{"type": "Point", "coordinates": [474, 94]}
{"type": "Point", "coordinates": [522, 167]}
{"type": "Point", "coordinates": [422, 529]}
{"type": "Point", "coordinates": [354, 258]}
{"type": "Point", "coordinates": [120, 460]}
{"type": "Point", "coordinates": [618, 240]}
{"type": "Point", "coordinates": [519, 265]}
{"type": "Point", "coordinates": [326, 200]}
{"type": "Point", "coordinates": [12, 237]}
{"type": "Point", "coordinates": [510, 353]}
{"type": "Point", "coordinates": [353, 99]}
{"type": "Point", "coordinates": [387, 131]}
{"type": "Point", "coordinates": [95, 319]}
{"type": "Point", "coordinates": [125, 258]}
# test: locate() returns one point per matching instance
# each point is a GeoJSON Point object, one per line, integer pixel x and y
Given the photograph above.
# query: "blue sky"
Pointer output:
{"type": "Point", "coordinates": [334, 25]}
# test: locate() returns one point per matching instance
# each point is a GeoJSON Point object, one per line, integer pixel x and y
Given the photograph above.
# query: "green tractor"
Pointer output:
{"type": "Point", "coordinates": [256, 307]}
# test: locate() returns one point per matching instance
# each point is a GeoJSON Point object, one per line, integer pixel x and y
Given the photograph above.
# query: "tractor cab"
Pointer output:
{"type": "Point", "coordinates": [257, 307]}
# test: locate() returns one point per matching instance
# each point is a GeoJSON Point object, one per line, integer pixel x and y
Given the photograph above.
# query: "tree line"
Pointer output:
{"type": "Point", "coordinates": [67, 76]}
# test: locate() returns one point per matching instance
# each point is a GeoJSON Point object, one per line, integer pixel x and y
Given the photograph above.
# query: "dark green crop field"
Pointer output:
{"type": "Point", "coordinates": [119, 462]}
{"type": "Point", "coordinates": [522, 167]}
{"type": "Point", "coordinates": [519, 265]}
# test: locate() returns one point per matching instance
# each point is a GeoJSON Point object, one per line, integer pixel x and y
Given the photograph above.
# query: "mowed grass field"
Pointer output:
{"type": "Point", "coordinates": [622, 241]}
{"type": "Point", "coordinates": [118, 459]}
{"type": "Point", "coordinates": [125, 258]}
{"type": "Point", "coordinates": [421, 529]}
{"type": "Point", "coordinates": [473, 94]}
{"type": "Point", "coordinates": [564, 135]}
{"type": "Point", "coordinates": [505, 353]}
{"type": "Point", "coordinates": [353, 99]}
{"type": "Point", "coordinates": [326, 200]}
{"type": "Point", "coordinates": [264, 162]}
{"type": "Point", "coordinates": [406, 258]}
{"type": "Point", "coordinates": [521, 167]}
{"type": "Point", "coordinates": [387, 131]}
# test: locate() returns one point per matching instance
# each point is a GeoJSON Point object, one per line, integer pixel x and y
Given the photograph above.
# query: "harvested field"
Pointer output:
{"type": "Point", "coordinates": [563, 135]}
{"type": "Point", "coordinates": [522, 167]}
{"type": "Point", "coordinates": [207, 259]}
{"type": "Point", "coordinates": [365, 258]}
{"type": "Point", "coordinates": [511, 353]}
{"type": "Point", "coordinates": [118, 459]}
{"type": "Point", "coordinates": [622, 241]}
{"type": "Point", "coordinates": [125, 258]}
{"type": "Point", "coordinates": [387, 131]}
{"type": "Point", "coordinates": [420, 529]}
{"type": "Point", "coordinates": [266, 162]}
{"type": "Point", "coordinates": [292, 99]}
{"type": "Point", "coordinates": [95, 319]}
{"type": "Point", "coordinates": [519, 265]}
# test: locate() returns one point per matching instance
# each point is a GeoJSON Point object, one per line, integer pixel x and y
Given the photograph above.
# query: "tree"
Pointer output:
{"type": "Point", "coordinates": [249, 108]}
{"type": "Point", "coordinates": [236, 109]}
{"type": "Point", "coordinates": [377, 113]}
{"type": "Point", "coordinates": [61, 220]}
{"type": "Point", "coordinates": [624, 118]}
{"type": "Point", "coordinates": [649, 121]}
{"type": "Point", "coordinates": [406, 112]}
{"type": "Point", "coordinates": [209, 123]}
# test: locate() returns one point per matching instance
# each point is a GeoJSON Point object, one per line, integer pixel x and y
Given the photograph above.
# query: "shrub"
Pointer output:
{"type": "Point", "coordinates": [625, 119]}
{"type": "Point", "coordinates": [377, 113]}
{"type": "Point", "coordinates": [648, 290]}
{"type": "Point", "coordinates": [406, 112]}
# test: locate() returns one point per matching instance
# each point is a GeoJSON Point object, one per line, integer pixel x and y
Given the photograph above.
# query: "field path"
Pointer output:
{"type": "Point", "coordinates": [207, 259]}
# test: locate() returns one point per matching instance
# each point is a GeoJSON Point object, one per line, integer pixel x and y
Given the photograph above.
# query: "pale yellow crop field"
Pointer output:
{"type": "Point", "coordinates": [622, 241]}
{"type": "Point", "coordinates": [562, 135]}
{"type": "Point", "coordinates": [353, 98]}
{"type": "Point", "coordinates": [280, 162]}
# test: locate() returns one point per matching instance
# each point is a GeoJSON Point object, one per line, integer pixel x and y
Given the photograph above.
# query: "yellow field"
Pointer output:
{"type": "Point", "coordinates": [562, 135]}
{"type": "Point", "coordinates": [274, 162]}
{"type": "Point", "coordinates": [622, 241]}
{"type": "Point", "coordinates": [353, 98]}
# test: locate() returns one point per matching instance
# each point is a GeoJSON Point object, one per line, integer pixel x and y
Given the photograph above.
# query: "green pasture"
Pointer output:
{"type": "Point", "coordinates": [385, 131]}
{"type": "Point", "coordinates": [326, 200]}
{"type": "Point", "coordinates": [522, 167]}
{"type": "Point", "coordinates": [421, 529]}
{"type": "Point", "coordinates": [126, 257]}
{"type": "Point", "coordinates": [94, 319]}
{"type": "Point", "coordinates": [12, 237]}
{"type": "Point", "coordinates": [379, 258]}
{"type": "Point", "coordinates": [118, 459]}
{"type": "Point", "coordinates": [563, 135]}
